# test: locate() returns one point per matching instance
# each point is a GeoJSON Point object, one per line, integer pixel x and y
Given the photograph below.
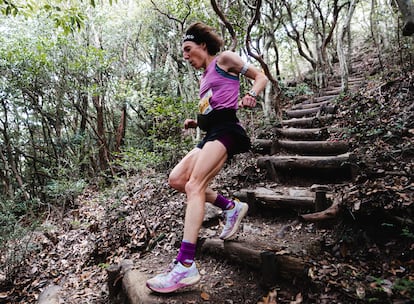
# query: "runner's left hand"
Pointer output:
{"type": "Point", "coordinates": [247, 102]}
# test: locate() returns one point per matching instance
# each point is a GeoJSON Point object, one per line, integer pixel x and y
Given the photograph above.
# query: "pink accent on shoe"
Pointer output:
{"type": "Point", "coordinates": [176, 277]}
{"type": "Point", "coordinates": [233, 218]}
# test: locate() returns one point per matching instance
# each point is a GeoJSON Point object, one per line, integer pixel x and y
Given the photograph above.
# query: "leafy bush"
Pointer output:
{"type": "Point", "coordinates": [299, 89]}
{"type": "Point", "coordinates": [17, 219]}
{"type": "Point", "coordinates": [9, 217]}
{"type": "Point", "coordinates": [168, 115]}
{"type": "Point", "coordinates": [134, 160]}
{"type": "Point", "coordinates": [404, 286]}
{"type": "Point", "coordinates": [64, 190]}
{"type": "Point", "coordinates": [164, 142]}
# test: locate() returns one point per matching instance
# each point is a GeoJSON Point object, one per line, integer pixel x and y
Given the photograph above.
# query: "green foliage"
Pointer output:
{"type": "Point", "coordinates": [69, 20]}
{"type": "Point", "coordinates": [103, 265]}
{"type": "Point", "coordinates": [158, 122]}
{"type": "Point", "coordinates": [406, 232]}
{"type": "Point", "coordinates": [68, 16]}
{"type": "Point", "coordinates": [300, 89]}
{"type": "Point", "coordinates": [404, 286]}
{"type": "Point", "coordinates": [17, 219]}
{"type": "Point", "coordinates": [63, 189]}
{"type": "Point", "coordinates": [168, 115]}
{"type": "Point", "coordinates": [134, 160]}
{"type": "Point", "coordinates": [8, 8]}
{"type": "Point", "coordinates": [9, 217]}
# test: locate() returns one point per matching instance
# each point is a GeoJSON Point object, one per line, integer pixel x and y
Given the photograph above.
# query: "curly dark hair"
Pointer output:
{"type": "Point", "coordinates": [200, 32]}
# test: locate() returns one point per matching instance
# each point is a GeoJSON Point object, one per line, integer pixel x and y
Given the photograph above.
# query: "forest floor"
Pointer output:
{"type": "Point", "coordinates": [365, 256]}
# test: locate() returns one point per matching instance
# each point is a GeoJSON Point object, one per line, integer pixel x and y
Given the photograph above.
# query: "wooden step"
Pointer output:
{"type": "Point", "coordinates": [353, 82]}
{"type": "Point", "coordinates": [333, 91]}
{"type": "Point", "coordinates": [358, 79]}
{"type": "Point", "coordinates": [314, 102]}
{"type": "Point", "coordinates": [324, 108]}
{"type": "Point", "coordinates": [271, 147]}
{"type": "Point", "coordinates": [316, 198]}
{"type": "Point", "coordinates": [310, 147]}
{"type": "Point", "coordinates": [277, 200]}
{"type": "Point", "coordinates": [325, 97]}
{"type": "Point", "coordinates": [310, 105]}
{"type": "Point", "coordinates": [307, 170]}
{"type": "Point", "coordinates": [308, 122]}
{"type": "Point", "coordinates": [286, 161]}
{"type": "Point", "coordinates": [273, 265]}
{"type": "Point", "coordinates": [303, 134]}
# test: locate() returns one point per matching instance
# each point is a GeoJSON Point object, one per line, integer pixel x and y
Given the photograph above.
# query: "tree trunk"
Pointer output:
{"type": "Point", "coordinates": [5, 178]}
{"type": "Point", "coordinates": [10, 156]}
{"type": "Point", "coordinates": [84, 113]}
{"type": "Point", "coordinates": [83, 110]}
{"type": "Point", "coordinates": [374, 31]}
{"type": "Point", "coordinates": [120, 133]}
{"type": "Point", "coordinates": [100, 128]}
{"type": "Point", "coordinates": [342, 57]}
{"type": "Point", "coordinates": [406, 8]}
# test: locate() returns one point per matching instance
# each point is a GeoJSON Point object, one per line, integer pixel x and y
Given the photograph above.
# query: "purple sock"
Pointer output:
{"type": "Point", "coordinates": [187, 253]}
{"type": "Point", "coordinates": [223, 202]}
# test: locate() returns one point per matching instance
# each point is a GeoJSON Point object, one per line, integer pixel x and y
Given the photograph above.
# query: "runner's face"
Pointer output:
{"type": "Point", "coordinates": [195, 54]}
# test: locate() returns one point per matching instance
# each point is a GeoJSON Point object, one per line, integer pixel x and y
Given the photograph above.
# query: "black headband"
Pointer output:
{"type": "Point", "coordinates": [191, 37]}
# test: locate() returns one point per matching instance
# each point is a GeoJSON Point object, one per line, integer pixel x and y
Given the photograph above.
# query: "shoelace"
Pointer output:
{"type": "Point", "coordinates": [170, 267]}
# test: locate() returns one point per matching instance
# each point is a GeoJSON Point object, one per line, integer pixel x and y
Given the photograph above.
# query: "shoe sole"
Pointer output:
{"type": "Point", "coordinates": [182, 284]}
{"type": "Point", "coordinates": [243, 212]}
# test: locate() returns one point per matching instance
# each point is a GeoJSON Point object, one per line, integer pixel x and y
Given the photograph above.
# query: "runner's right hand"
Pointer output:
{"type": "Point", "coordinates": [190, 123]}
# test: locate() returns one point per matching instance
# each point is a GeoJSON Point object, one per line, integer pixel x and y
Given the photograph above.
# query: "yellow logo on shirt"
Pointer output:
{"type": "Point", "coordinates": [204, 104]}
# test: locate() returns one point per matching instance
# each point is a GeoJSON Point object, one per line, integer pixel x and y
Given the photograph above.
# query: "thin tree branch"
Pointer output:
{"type": "Point", "coordinates": [259, 58]}
{"type": "Point", "coordinates": [181, 22]}
{"type": "Point", "coordinates": [227, 24]}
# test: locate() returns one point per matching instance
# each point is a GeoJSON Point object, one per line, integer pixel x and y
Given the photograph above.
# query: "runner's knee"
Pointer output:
{"type": "Point", "coordinates": [193, 187]}
{"type": "Point", "coordinates": [177, 182]}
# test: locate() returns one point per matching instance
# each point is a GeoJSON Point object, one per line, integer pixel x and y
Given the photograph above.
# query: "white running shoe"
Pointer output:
{"type": "Point", "coordinates": [177, 276]}
{"type": "Point", "coordinates": [233, 219]}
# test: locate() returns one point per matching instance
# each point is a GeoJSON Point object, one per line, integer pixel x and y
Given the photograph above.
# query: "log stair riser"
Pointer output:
{"type": "Point", "coordinates": [320, 148]}
{"type": "Point", "coordinates": [323, 109]}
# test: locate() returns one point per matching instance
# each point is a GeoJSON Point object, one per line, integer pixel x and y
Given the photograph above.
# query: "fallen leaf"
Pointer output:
{"type": "Point", "coordinates": [298, 299]}
{"type": "Point", "coordinates": [360, 291]}
{"type": "Point", "coordinates": [205, 296]}
{"type": "Point", "coordinates": [271, 298]}
{"type": "Point", "coordinates": [3, 295]}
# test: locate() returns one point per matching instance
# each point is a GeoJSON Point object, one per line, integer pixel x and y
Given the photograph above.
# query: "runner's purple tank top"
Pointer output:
{"type": "Point", "coordinates": [224, 87]}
